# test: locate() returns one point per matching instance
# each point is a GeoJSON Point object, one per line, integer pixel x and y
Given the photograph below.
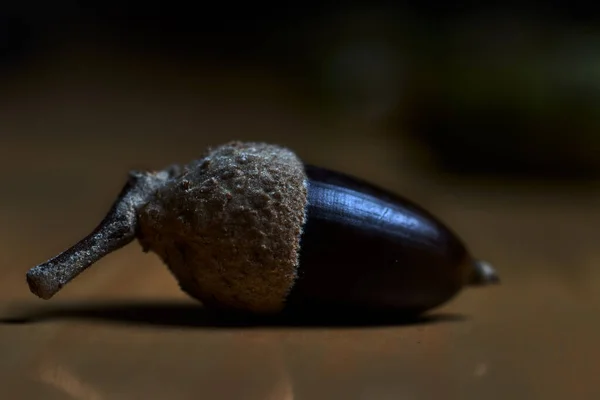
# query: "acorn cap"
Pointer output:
{"type": "Point", "coordinates": [229, 226]}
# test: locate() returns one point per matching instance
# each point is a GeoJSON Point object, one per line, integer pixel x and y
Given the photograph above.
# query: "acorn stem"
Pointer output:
{"type": "Point", "coordinates": [116, 230]}
{"type": "Point", "coordinates": [483, 274]}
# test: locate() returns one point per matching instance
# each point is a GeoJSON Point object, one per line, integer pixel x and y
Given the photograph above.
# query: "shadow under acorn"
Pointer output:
{"type": "Point", "coordinates": [183, 314]}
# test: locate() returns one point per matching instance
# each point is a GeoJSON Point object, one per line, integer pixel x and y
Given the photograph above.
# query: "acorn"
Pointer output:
{"type": "Point", "coordinates": [250, 228]}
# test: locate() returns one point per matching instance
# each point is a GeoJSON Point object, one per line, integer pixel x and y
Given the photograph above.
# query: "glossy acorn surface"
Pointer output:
{"type": "Point", "coordinates": [364, 247]}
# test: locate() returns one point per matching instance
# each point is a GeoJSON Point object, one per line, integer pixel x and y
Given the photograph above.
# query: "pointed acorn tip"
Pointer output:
{"type": "Point", "coordinates": [483, 274]}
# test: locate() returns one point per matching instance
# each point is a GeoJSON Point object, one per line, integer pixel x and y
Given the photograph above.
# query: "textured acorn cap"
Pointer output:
{"type": "Point", "coordinates": [229, 226]}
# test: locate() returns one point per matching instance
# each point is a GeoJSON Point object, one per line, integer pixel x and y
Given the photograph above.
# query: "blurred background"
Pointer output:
{"type": "Point", "coordinates": [509, 90]}
{"type": "Point", "coordinates": [489, 116]}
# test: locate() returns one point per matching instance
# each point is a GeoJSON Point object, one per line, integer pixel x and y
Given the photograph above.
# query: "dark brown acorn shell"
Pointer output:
{"type": "Point", "coordinates": [364, 248]}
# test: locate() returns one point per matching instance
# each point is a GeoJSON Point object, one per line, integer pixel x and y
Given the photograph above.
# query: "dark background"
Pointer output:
{"type": "Point", "coordinates": [510, 90]}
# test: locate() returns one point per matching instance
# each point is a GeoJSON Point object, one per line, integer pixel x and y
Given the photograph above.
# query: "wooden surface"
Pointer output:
{"type": "Point", "coordinates": [123, 330]}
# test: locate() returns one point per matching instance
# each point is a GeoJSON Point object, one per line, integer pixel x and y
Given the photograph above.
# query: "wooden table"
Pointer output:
{"type": "Point", "coordinates": [123, 330]}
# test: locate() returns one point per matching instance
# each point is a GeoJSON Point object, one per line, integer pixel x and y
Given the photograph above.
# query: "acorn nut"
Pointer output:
{"type": "Point", "coordinates": [250, 228]}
